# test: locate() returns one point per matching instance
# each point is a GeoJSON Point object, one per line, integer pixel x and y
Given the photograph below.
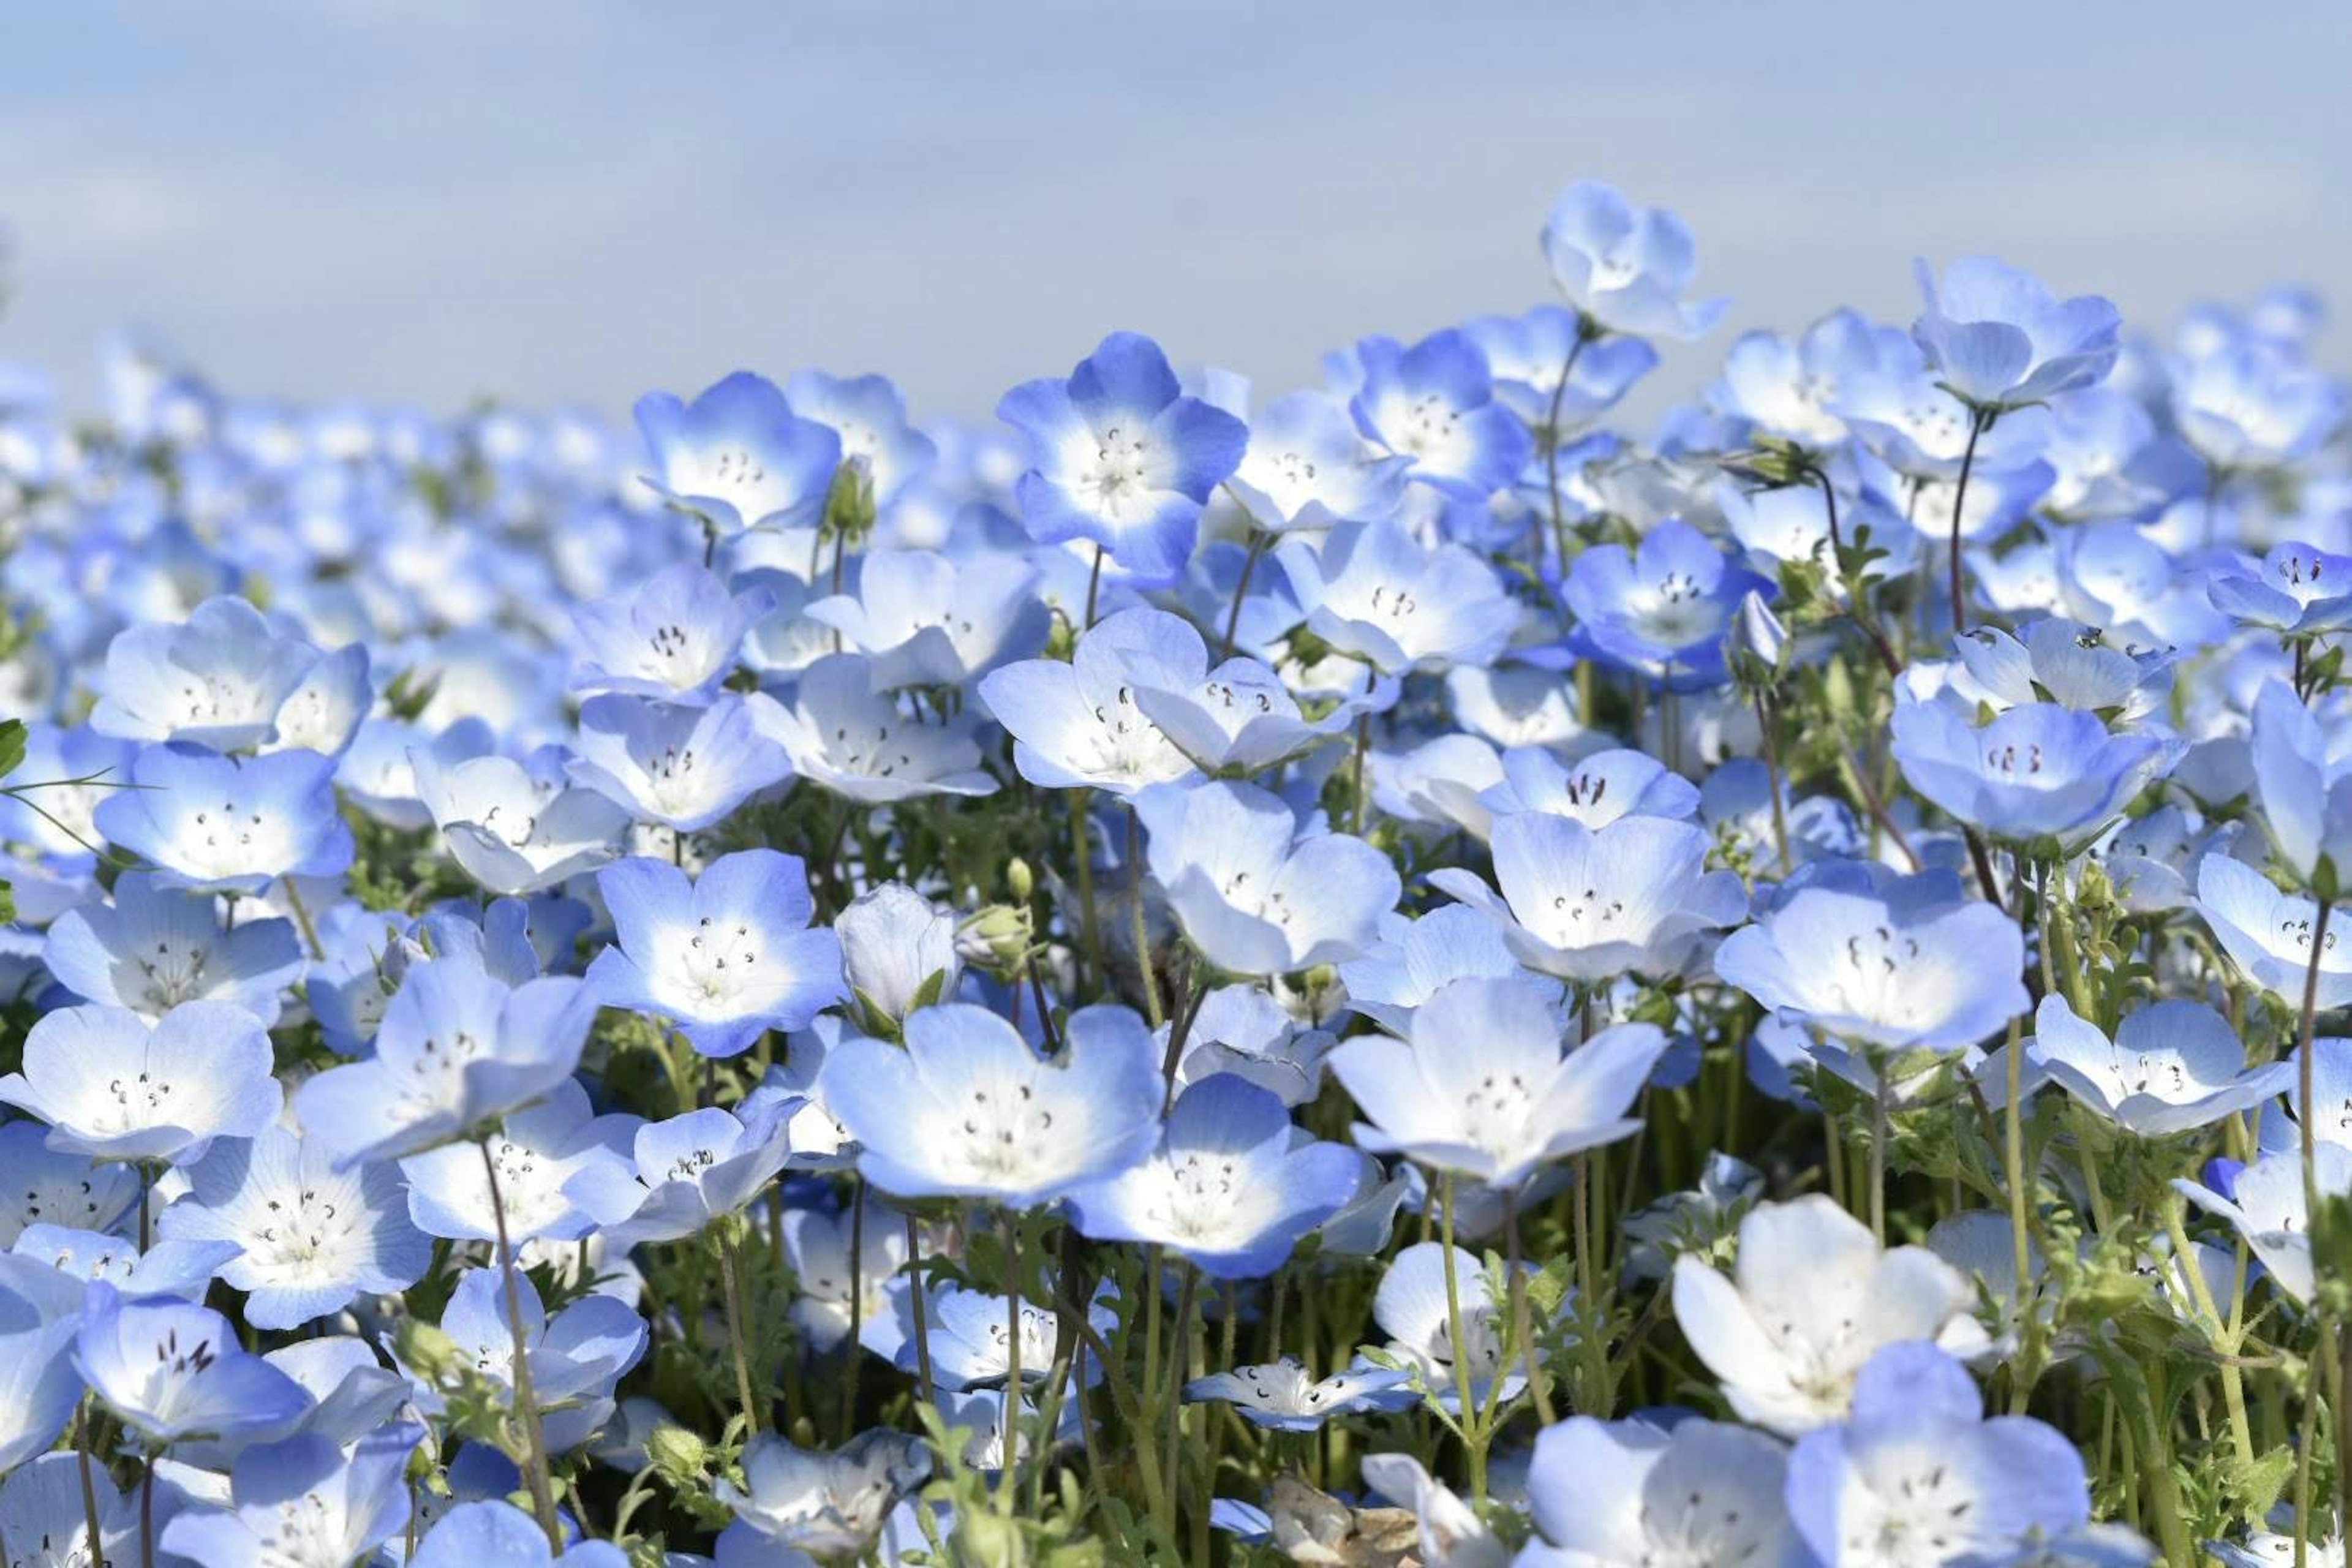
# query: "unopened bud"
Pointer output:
{"type": "Point", "coordinates": [997, 938]}
{"type": "Point", "coordinates": [424, 1350]}
{"type": "Point", "coordinates": [677, 1452]}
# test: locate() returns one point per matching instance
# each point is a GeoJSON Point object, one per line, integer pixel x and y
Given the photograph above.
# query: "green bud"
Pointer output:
{"type": "Point", "coordinates": [849, 505]}
{"type": "Point", "coordinates": [677, 1453]}
{"type": "Point", "coordinates": [1021, 881]}
{"type": "Point", "coordinates": [997, 938]}
{"type": "Point", "coordinates": [425, 1350]}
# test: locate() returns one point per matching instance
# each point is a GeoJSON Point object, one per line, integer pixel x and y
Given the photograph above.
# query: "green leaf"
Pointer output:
{"type": "Point", "coordinates": [12, 745]}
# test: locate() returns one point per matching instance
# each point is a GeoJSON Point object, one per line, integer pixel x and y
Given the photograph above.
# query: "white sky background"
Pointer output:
{"type": "Point", "coordinates": [577, 200]}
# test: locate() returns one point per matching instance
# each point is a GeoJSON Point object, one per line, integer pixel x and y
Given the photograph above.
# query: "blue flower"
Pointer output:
{"type": "Point", "coordinates": [1485, 1087]}
{"type": "Point", "coordinates": [311, 1239]}
{"type": "Point", "coordinates": [41, 1185]}
{"type": "Point", "coordinates": [1118, 455]}
{"type": "Point", "coordinates": [969, 1332]}
{"type": "Point", "coordinates": [113, 1086]}
{"type": "Point", "coordinates": [1374, 592]}
{"type": "Point", "coordinates": [1252, 892]}
{"type": "Point", "coordinates": [1414, 961]}
{"type": "Point", "coordinates": [805, 1504]}
{"type": "Point", "coordinates": [576, 1356]}
{"type": "Point", "coordinates": [1999, 339]}
{"type": "Point", "coordinates": [1282, 1396]}
{"type": "Point", "coordinates": [539, 1150]}
{"type": "Point", "coordinates": [1789, 388]}
{"type": "Point", "coordinates": [218, 825]}
{"type": "Point", "coordinates": [1077, 724]}
{"type": "Point", "coordinates": [969, 1110]}
{"type": "Point", "coordinates": [1413, 1308]}
{"type": "Point", "coordinates": [2268, 934]}
{"type": "Point", "coordinates": [870, 416]}
{"type": "Point", "coordinates": [1628, 1492]}
{"type": "Point", "coordinates": [725, 955]}
{"type": "Point", "coordinates": [1886, 962]}
{"type": "Point", "coordinates": [455, 1049]}
{"type": "Point", "coordinates": [686, 1172]}
{"type": "Point", "coordinates": [229, 681]}
{"type": "Point", "coordinates": [2172, 1067]}
{"type": "Point", "coordinates": [1230, 1188]}
{"type": "Point", "coordinates": [675, 636]}
{"type": "Point", "coordinates": [1434, 402]}
{"type": "Point", "coordinates": [684, 767]}
{"type": "Point", "coordinates": [928, 619]}
{"type": "Point", "coordinates": [42, 1500]}
{"type": "Point", "coordinates": [738, 458]}
{"type": "Point", "coordinates": [303, 1495]}
{"type": "Point", "coordinates": [40, 1314]}
{"type": "Point", "coordinates": [516, 829]}
{"type": "Point", "coordinates": [843, 733]}
{"type": "Point", "coordinates": [2248, 405]}
{"type": "Point", "coordinates": [1309, 467]}
{"type": "Point", "coordinates": [2264, 1204]}
{"type": "Point", "coordinates": [2295, 590]}
{"type": "Point", "coordinates": [1527, 354]}
{"type": "Point", "coordinates": [2038, 773]}
{"type": "Point", "coordinates": [1596, 789]}
{"type": "Point", "coordinates": [1623, 266]}
{"type": "Point", "coordinates": [173, 1372]}
{"type": "Point", "coordinates": [1915, 1473]}
{"type": "Point", "coordinates": [474, 1534]}
{"type": "Point", "coordinates": [898, 948]}
{"type": "Point", "coordinates": [1661, 610]}
{"type": "Point", "coordinates": [1582, 905]}
{"type": "Point", "coordinates": [172, 1266]}
{"type": "Point", "coordinates": [154, 949]}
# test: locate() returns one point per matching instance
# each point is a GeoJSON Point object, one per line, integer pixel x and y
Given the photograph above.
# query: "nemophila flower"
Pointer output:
{"type": "Point", "coordinates": [1999, 339]}
{"type": "Point", "coordinates": [967, 1109]}
{"type": "Point", "coordinates": [1414, 960]}
{"type": "Point", "coordinates": [2331, 1093]}
{"type": "Point", "coordinates": [2295, 590]}
{"type": "Point", "coordinates": [683, 767]}
{"type": "Point", "coordinates": [2172, 1066]}
{"type": "Point", "coordinates": [824, 1504]}
{"type": "Point", "coordinates": [538, 1152]}
{"type": "Point", "coordinates": [1252, 894]}
{"type": "Point", "coordinates": [1075, 725]}
{"type": "Point", "coordinates": [1792, 524]}
{"type": "Point", "coordinates": [1242, 1031]}
{"type": "Point", "coordinates": [1411, 1307]}
{"type": "Point", "coordinates": [1528, 354]}
{"type": "Point", "coordinates": [1812, 1299]}
{"type": "Point", "coordinates": [898, 948]}
{"type": "Point", "coordinates": [2268, 934]}
{"type": "Point", "coordinates": [154, 948]}
{"type": "Point", "coordinates": [1789, 387]}
{"type": "Point", "coordinates": [1582, 905]}
{"type": "Point", "coordinates": [1887, 964]}
{"type": "Point", "coordinates": [1308, 465]}
{"type": "Point", "coordinates": [725, 955]}
{"type": "Point", "coordinates": [1627, 266]}
{"type": "Point", "coordinates": [455, 1049]}
{"type": "Point", "coordinates": [928, 619]}
{"type": "Point", "coordinates": [684, 1173]}
{"type": "Point", "coordinates": [1374, 592]}
{"type": "Point", "coordinates": [1118, 455]}
{"type": "Point", "coordinates": [2149, 860]}
{"type": "Point", "coordinates": [870, 416]}
{"type": "Point", "coordinates": [970, 1333]}
{"type": "Point", "coordinates": [474, 1534]}
{"type": "Point", "coordinates": [309, 1239]}
{"type": "Point", "coordinates": [374, 772]}
{"type": "Point", "coordinates": [576, 1355]}
{"type": "Point", "coordinates": [2040, 772]}
{"type": "Point", "coordinates": [301, 1501]}
{"type": "Point", "coordinates": [675, 636]}
{"type": "Point", "coordinates": [817, 1247]}
{"type": "Point", "coordinates": [737, 456]}
{"type": "Point", "coordinates": [2263, 1203]}
{"type": "Point", "coordinates": [1661, 610]}
{"type": "Point", "coordinates": [216, 825]}
{"type": "Point", "coordinates": [40, 1314]}
{"type": "Point", "coordinates": [1485, 1088]}
{"type": "Point", "coordinates": [1434, 404]}
{"type": "Point", "coordinates": [1627, 1492]}
{"type": "Point", "coordinates": [1283, 1396]}
{"type": "Point", "coordinates": [172, 1372]}
{"type": "Point", "coordinates": [842, 732]}
{"type": "Point", "coordinates": [172, 1267]}
{"type": "Point", "coordinates": [2061, 661]}
{"type": "Point", "coordinates": [2115, 575]}
{"type": "Point", "coordinates": [41, 1185]}
{"type": "Point", "coordinates": [218, 681]}
{"type": "Point", "coordinates": [115, 1087]}
{"type": "Point", "coordinates": [1446, 1530]}
{"type": "Point", "coordinates": [1231, 1187]}
{"type": "Point", "coordinates": [2304, 782]}
{"type": "Point", "coordinates": [1916, 1474]}
{"type": "Point", "coordinates": [2249, 405]}
{"type": "Point", "coordinates": [1238, 718]}
{"type": "Point", "coordinates": [85, 767]}
{"type": "Point", "coordinates": [42, 1506]}
{"type": "Point", "coordinates": [1596, 789]}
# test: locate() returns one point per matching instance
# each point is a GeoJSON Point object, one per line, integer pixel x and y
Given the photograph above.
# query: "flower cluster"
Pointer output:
{"type": "Point", "coordinates": [1386, 974]}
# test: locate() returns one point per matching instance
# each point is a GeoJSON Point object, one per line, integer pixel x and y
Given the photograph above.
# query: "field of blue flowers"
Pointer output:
{"type": "Point", "coordinates": [1387, 974]}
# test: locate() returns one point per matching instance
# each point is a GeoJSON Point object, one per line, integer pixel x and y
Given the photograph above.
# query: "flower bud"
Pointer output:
{"type": "Point", "coordinates": [677, 1452]}
{"type": "Point", "coordinates": [996, 938]}
{"type": "Point", "coordinates": [894, 941]}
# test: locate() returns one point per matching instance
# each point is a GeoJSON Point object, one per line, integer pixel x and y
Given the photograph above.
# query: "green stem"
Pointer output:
{"type": "Point", "coordinates": [526, 1398]}
{"type": "Point", "coordinates": [1471, 1427]}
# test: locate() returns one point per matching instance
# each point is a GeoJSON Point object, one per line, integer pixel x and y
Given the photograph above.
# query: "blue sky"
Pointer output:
{"type": "Point", "coordinates": [429, 200]}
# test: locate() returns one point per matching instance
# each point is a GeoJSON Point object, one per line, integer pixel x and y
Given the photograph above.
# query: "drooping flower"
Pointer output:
{"type": "Point", "coordinates": [1252, 893]}
{"type": "Point", "coordinates": [113, 1086]}
{"type": "Point", "coordinates": [725, 955]}
{"type": "Point", "coordinates": [897, 950]}
{"type": "Point", "coordinates": [576, 1355]}
{"type": "Point", "coordinates": [2263, 1203]}
{"type": "Point", "coordinates": [1412, 1309]}
{"type": "Point", "coordinates": [813, 1503]}
{"type": "Point", "coordinates": [2001, 340]}
{"type": "Point", "coordinates": [1119, 456]}
{"type": "Point", "coordinates": [1626, 267]}
{"type": "Point", "coordinates": [1485, 1088]}
{"type": "Point", "coordinates": [2268, 934]}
